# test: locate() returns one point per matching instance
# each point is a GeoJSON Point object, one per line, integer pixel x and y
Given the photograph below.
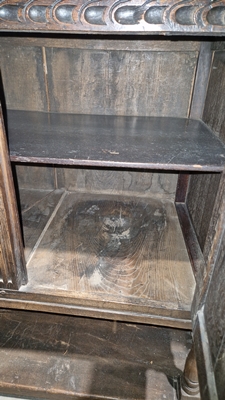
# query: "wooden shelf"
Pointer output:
{"type": "Point", "coordinates": [112, 141]}
{"type": "Point", "coordinates": [60, 357]}
{"type": "Point", "coordinates": [105, 256]}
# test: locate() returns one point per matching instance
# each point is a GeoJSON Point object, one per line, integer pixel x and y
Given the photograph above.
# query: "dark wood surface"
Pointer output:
{"type": "Point", "coordinates": [207, 206]}
{"type": "Point", "coordinates": [12, 262]}
{"type": "Point", "coordinates": [203, 71]}
{"type": "Point", "coordinates": [215, 316]}
{"type": "Point", "coordinates": [115, 16]}
{"type": "Point", "coordinates": [62, 75]}
{"type": "Point", "coordinates": [105, 255]}
{"type": "Point", "coordinates": [215, 102]}
{"type": "Point", "coordinates": [129, 142]}
{"type": "Point", "coordinates": [201, 197]}
{"type": "Point", "coordinates": [61, 357]}
{"type": "Point", "coordinates": [205, 367]}
{"type": "Point", "coordinates": [94, 75]}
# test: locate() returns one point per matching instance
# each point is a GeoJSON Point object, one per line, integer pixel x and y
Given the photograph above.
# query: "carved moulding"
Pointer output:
{"type": "Point", "coordinates": [203, 16]}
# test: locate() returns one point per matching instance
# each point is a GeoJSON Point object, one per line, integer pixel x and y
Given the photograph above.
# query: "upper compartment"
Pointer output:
{"type": "Point", "coordinates": [170, 16]}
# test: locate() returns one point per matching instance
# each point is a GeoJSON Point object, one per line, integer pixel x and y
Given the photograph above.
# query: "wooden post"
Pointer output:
{"type": "Point", "coordinates": [190, 375]}
{"type": "Point", "coordinates": [12, 264]}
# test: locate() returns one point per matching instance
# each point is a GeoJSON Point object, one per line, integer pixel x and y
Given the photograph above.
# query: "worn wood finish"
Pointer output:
{"type": "Point", "coordinates": [208, 207]}
{"type": "Point", "coordinates": [190, 376]}
{"type": "Point", "coordinates": [201, 80]}
{"type": "Point", "coordinates": [102, 42]}
{"type": "Point", "coordinates": [182, 188]}
{"type": "Point", "coordinates": [111, 68]}
{"type": "Point", "coordinates": [49, 65]}
{"type": "Point", "coordinates": [209, 327]}
{"type": "Point", "coordinates": [81, 357]}
{"type": "Point", "coordinates": [206, 375]}
{"type": "Point", "coordinates": [200, 202]}
{"type": "Point", "coordinates": [153, 315]}
{"type": "Point", "coordinates": [146, 295]}
{"type": "Point", "coordinates": [36, 176]}
{"type": "Point", "coordinates": [97, 81]}
{"type": "Point", "coordinates": [130, 182]}
{"type": "Point", "coordinates": [37, 207]}
{"type": "Point", "coordinates": [206, 192]}
{"type": "Point", "coordinates": [196, 105]}
{"type": "Point", "coordinates": [215, 102]}
{"type": "Point", "coordinates": [211, 247]}
{"type": "Point", "coordinates": [111, 141]}
{"type": "Point", "coordinates": [123, 264]}
{"type": "Point", "coordinates": [171, 16]}
{"type": "Point", "coordinates": [193, 248]}
{"type": "Point", "coordinates": [12, 264]}
{"type": "Point", "coordinates": [214, 311]}
{"type": "Point", "coordinates": [26, 91]}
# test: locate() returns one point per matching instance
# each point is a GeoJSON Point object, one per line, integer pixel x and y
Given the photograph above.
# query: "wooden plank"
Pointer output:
{"type": "Point", "coordinates": [85, 358]}
{"type": "Point", "coordinates": [204, 361]}
{"type": "Point", "coordinates": [201, 80]}
{"type": "Point", "coordinates": [200, 202]}
{"type": "Point", "coordinates": [130, 183]}
{"type": "Point", "coordinates": [214, 311]}
{"type": "Point", "coordinates": [124, 265]}
{"type": "Point", "coordinates": [215, 102]}
{"type": "Point", "coordinates": [193, 248]}
{"type": "Point", "coordinates": [12, 263]}
{"type": "Point", "coordinates": [37, 207]}
{"type": "Point", "coordinates": [182, 188]}
{"type": "Point", "coordinates": [125, 43]}
{"type": "Point", "coordinates": [197, 105]}
{"type": "Point", "coordinates": [36, 296]}
{"type": "Point", "coordinates": [154, 315]}
{"type": "Point", "coordinates": [97, 82]}
{"type": "Point", "coordinates": [109, 141]}
{"type": "Point", "coordinates": [23, 78]}
{"type": "Point", "coordinates": [38, 177]}
{"type": "Point", "coordinates": [168, 17]}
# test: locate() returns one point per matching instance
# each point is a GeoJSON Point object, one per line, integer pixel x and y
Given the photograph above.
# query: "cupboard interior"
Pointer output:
{"type": "Point", "coordinates": [107, 242]}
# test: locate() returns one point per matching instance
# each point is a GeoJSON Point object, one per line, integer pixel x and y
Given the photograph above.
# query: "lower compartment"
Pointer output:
{"type": "Point", "coordinates": [61, 357]}
{"type": "Point", "coordinates": [110, 256]}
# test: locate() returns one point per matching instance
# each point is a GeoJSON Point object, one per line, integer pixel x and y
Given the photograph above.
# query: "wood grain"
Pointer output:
{"type": "Point", "coordinates": [118, 182]}
{"type": "Point", "coordinates": [102, 42]}
{"type": "Point", "coordinates": [152, 66]}
{"type": "Point", "coordinates": [12, 263]}
{"type": "Point", "coordinates": [214, 315]}
{"type": "Point", "coordinates": [200, 202]}
{"type": "Point", "coordinates": [97, 82]}
{"type": "Point", "coordinates": [52, 356]}
{"type": "Point", "coordinates": [215, 103]}
{"type": "Point", "coordinates": [201, 80]}
{"type": "Point", "coordinates": [133, 253]}
{"type": "Point", "coordinates": [112, 141]}
{"type": "Point", "coordinates": [38, 177]}
{"type": "Point", "coordinates": [206, 375]}
{"type": "Point", "coordinates": [37, 207]}
{"type": "Point", "coordinates": [23, 78]}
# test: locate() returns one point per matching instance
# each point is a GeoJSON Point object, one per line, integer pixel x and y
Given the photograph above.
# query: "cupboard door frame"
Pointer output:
{"type": "Point", "coordinates": [12, 263]}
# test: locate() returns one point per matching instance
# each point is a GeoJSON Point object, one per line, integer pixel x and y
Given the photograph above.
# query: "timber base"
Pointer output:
{"type": "Point", "coordinates": [62, 357]}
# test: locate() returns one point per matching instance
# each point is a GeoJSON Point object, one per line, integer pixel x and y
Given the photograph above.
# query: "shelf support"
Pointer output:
{"type": "Point", "coordinates": [190, 383]}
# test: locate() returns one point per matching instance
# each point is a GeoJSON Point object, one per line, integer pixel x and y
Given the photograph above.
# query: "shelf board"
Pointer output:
{"type": "Point", "coordinates": [60, 357]}
{"type": "Point", "coordinates": [114, 141]}
{"type": "Point", "coordinates": [114, 257]}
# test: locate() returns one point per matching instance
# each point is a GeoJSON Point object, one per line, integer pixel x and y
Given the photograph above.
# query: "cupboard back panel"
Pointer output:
{"type": "Point", "coordinates": [153, 77]}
